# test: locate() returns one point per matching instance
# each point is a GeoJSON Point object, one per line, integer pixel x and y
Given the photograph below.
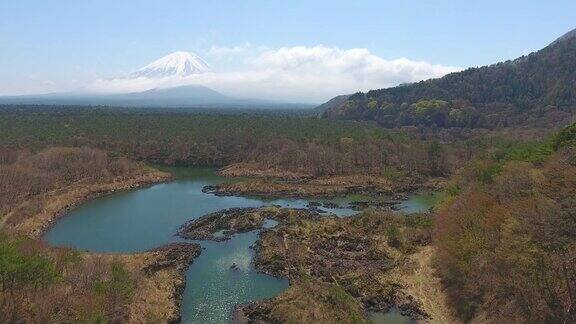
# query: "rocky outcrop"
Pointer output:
{"type": "Point", "coordinates": [305, 187]}
{"type": "Point", "coordinates": [223, 224]}
{"type": "Point", "coordinates": [323, 187]}
{"type": "Point", "coordinates": [176, 256]}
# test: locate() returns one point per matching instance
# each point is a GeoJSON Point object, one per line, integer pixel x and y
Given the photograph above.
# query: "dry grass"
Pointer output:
{"type": "Point", "coordinates": [420, 281]}
{"type": "Point", "coordinates": [157, 295]}
{"type": "Point", "coordinates": [253, 170]}
{"type": "Point", "coordinates": [316, 187]}
{"type": "Point", "coordinates": [308, 301]}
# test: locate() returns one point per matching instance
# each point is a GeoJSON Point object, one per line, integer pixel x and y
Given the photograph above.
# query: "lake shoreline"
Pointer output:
{"type": "Point", "coordinates": [59, 204]}
{"type": "Point", "coordinates": [161, 287]}
{"type": "Point", "coordinates": [162, 268]}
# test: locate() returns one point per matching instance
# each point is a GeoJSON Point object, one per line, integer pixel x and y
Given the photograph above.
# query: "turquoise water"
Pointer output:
{"type": "Point", "coordinates": [146, 218]}
{"type": "Point", "coordinates": [392, 317]}
{"type": "Point", "coordinates": [213, 288]}
{"type": "Point", "coordinates": [420, 202]}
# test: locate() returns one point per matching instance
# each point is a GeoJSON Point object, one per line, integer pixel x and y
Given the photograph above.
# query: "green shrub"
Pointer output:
{"type": "Point", "coordinates": [453, 190]}
{"type": "Point", "coordinates": [120, 284]}
{"type": "Point", "coordinates": [421, 221]}
{"type": "Point", "coordinates": [565, 138]}
{"type": "Point", "coordinates": [534, 152]}
{"type": "Point", "coordinates": [488, 173]}
{"type": "Point", "coordinates": [18, 269]}
{"type": "Point", "coordinates": [394, 236]}
{"type": "Point", "coordinates": [341, 299]}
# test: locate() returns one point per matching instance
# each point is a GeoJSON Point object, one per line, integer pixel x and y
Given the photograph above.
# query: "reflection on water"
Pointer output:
{"type": "Point", "coordinates": [222, 277]}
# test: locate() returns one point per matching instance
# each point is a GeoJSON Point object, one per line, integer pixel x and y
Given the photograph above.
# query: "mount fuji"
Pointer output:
{"type": "Point", "coordinates": [180, 64]}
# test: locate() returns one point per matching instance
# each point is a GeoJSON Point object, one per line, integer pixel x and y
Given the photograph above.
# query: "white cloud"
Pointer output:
{"type": "Point", "coordinates": [223, 51]}
{"type": "Point", "coordinates": [311, 74]}
{"type": "Point", "coordinates": [244, 51]}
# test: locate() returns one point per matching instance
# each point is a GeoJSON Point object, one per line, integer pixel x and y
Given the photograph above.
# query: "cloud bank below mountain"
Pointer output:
{"type": "Point", "coordinates": [302, 74]}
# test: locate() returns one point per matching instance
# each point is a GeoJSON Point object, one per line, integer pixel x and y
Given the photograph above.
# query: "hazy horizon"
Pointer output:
{"type": "Point", "coordinates": [299, 52]}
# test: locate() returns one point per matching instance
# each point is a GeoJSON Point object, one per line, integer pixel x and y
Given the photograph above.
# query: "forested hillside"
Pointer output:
{"type": "Point", "coordinates": [294, 143]}
{"type": "Point", "coordinates": [506, 234]}
{"type": "Point", "coordinates": [535, 90]}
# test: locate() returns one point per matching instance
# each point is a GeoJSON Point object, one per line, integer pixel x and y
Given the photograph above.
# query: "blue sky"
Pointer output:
{"type": "Point", "coordinates": [63, 44]}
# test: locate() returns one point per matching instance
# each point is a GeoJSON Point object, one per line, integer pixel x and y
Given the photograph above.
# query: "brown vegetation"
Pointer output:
{"type": "Point", "coordinates": [239, 220]}
{"type": "Point", "coordinates": [40, 284]}
{"type": "Point", "coordinates": [307, 301]}
{"type": "Point", "coordinates": [420, 279]}
{"type": "Point", "coordinates": [327, 186]}
{"type": "Point", "coordinates": [507, 241]}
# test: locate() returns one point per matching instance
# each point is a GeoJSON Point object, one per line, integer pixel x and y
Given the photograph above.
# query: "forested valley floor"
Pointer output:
{"type": "Point", "coordinates": [507, 214]}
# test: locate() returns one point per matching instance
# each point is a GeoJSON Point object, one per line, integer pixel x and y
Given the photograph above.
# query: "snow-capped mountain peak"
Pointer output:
{"type": "Point", "coordinates": [175, 64]}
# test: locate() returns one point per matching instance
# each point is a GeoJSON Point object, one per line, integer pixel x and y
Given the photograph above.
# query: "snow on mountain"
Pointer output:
{"type": "Point", "coordinates": [176, 64]}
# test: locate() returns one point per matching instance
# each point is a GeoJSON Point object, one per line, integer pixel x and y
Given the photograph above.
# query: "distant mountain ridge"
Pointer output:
{"type": "Point", "coordinates": [183, 96]}
{"type": "Point", "coordinates": [535, 90]}
{"type": "Point", "coordinates": [189, 96]}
